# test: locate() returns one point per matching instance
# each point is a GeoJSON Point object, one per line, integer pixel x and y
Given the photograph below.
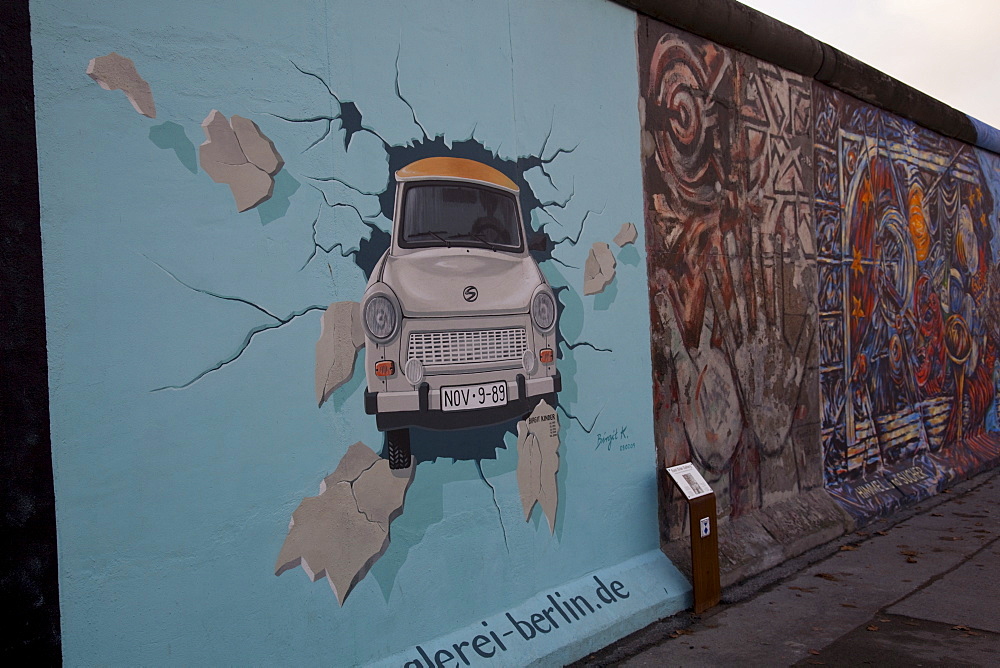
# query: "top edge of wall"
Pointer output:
{"type": "Point", "coordinates": [737, 26]}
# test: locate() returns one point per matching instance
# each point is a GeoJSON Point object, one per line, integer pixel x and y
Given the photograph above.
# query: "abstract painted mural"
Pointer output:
{"type": "Point", "coordinates": [909, 308]}
{"type": "Point", "coordinates": [728, 204]}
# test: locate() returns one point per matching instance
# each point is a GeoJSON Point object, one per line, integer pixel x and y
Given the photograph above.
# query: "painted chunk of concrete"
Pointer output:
{"type": "Point", "coordinates": [340, 338]}
{"type": "Point", "coordinates": [599, 270]}
{"type": "Point", "coordinates": [626, 235]}
{"type": "Point", "coordinates": [380, 490]}
{"type": "Point", "coordinates": [257, 147]}
{"type": "Point", "coordinates": [224, 158]}
{"type": "Point", "coordinates": [116, 72]}
{"type": "Point", "coordinates": [221, 145]}
{"type": "Point", "coordinates": [341, 533]}
{"type": "Point", "coordinates": [538, 461]}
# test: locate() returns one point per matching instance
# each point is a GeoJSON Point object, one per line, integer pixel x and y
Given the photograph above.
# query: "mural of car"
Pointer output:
{"type": "Point", "coordinates": [459, 321]}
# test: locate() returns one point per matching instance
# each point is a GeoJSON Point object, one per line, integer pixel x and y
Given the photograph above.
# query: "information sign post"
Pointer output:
{"type": "Point", "coordinates": [704, 535]}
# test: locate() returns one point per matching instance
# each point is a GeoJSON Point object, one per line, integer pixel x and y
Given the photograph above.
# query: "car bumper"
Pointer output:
{"type": "Point", "coordinates": [422, 407]}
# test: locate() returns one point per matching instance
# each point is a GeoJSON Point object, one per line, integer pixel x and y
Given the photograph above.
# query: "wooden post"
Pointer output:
{"type": "Point", "coordinates": [704, 535]}
{"type": "Point", "coordinates": [704, 553]}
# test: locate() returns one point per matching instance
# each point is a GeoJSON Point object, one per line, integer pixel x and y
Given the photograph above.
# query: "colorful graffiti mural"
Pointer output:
{"type": "Point", "coordinates": [728, 185]}
{"type": "Point", "coordinates": [908, 306]}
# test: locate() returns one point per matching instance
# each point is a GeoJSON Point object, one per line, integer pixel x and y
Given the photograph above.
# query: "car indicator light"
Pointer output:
{"type": "Point", "coordinates": [545, 356]}
{"type": "Point", "coordinates": [384, 368]}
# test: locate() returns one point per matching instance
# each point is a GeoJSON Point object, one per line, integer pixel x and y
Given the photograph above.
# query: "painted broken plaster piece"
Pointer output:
{"type": "Point", "coordinates": [241, 156]}
{"type": "Point", "coordinates": [599, 269]}
{"type": "Point", "coordinates": [538, 461]}
{"type": "Point", "coordinates": [257, 147]}
{"type": "Point", "coordinates": [116, 72]}
{"type": "Point", "coordinates": [627, 235]}
{"type": "Point", "coordinates": [341, 533]}
{"type": "Point", "coordinates": [340, 338]}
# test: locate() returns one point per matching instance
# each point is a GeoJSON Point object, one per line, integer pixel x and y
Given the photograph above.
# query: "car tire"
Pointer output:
{"type": "Point", "coordinates": [398, 443]}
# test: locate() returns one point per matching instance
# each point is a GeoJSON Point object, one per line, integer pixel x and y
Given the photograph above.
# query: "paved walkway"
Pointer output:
{"type": "Point", "coordinates": [925, 591]}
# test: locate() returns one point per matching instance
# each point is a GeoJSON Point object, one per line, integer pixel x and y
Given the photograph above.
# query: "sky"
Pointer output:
{"type": "Point", "coordinates": [949, 49]}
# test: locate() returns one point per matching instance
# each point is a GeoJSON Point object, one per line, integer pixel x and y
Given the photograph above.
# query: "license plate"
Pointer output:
{"type": "Point", "coordinates": [468, 397]}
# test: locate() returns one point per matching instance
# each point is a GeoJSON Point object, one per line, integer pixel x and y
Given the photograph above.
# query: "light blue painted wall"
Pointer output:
{"type": "Point", "coordinates": [172, 505]}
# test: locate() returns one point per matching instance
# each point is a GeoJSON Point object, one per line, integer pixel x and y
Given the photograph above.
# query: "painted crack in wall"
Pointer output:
{"type": "Point", "coordinates": [277, 323]}
{"type": "Point", "coordinates": [399, 155]}
{"type": "Point", "coordinates": [370, 249]}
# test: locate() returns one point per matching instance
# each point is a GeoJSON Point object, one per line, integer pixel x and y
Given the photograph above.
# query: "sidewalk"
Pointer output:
{"type": "Point", "coordinates": [922, 591]}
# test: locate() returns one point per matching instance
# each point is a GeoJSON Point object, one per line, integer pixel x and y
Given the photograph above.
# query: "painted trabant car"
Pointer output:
{"type": "Point", "coordinates": [459, 321]}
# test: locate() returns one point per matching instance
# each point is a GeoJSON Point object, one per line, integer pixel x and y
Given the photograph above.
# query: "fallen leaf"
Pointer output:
{"type": "Point", "coordinates": [848, 548]}
{"type": "Point", "coordinates": [872, 627]}
{"type": "Point", "coordinates": [910, 623]}
{"type": "Point", "coordinates": [959, 627]}
{"type": "Point", "coordinates": [911, 560]}
{"type": "Point", "coordinates": [936, 515]}
{"type": "Point", "coordinates": [861, 533]}
{"type": "Point", "coordinates": [881, 533]}
{"type": "Point", "coordinates": [814, 652]}
{"type": "Point", "coordinates": [827, 576]}
{"type": "Point", "coordinates": [981, 531]}
{"type": "Point", "coordinates": [884, 621]}
{"type": "Point", "coordinates": [909, 553]}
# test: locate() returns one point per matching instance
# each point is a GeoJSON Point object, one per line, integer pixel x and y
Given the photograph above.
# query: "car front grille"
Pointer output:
{"type": "Point", "coordinates": [469, 346]}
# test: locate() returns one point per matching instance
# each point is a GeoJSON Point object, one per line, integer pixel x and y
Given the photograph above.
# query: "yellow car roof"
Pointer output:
{"type": "Point", "coordinates": [454, 168]}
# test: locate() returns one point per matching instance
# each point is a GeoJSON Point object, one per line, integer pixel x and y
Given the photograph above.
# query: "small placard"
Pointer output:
{"type": "Point", "coordinates": [689, 480]}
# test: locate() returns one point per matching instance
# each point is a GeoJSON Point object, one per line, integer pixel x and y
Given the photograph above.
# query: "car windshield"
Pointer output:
{"type": "Point", "coordinates": [451, 214]}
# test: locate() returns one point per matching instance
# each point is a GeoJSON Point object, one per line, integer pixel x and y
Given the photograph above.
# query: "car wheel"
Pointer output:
{"type": "Point", "coordinates": [398, 441]}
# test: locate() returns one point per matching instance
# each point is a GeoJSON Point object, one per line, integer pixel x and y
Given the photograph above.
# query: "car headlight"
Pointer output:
{"type": "Point", "coordinates": [543, 310]}
{"type": "Point", "coordinates": [380, 317]}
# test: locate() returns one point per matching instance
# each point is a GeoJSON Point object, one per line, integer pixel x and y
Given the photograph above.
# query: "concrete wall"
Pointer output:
{"type": "Point", "coordinates": [183, 335]}
{"type": "Point", "coordinates": [805, 312]}
{"type": "Point", "coordinates": [820, 284]}
{"type": "Point", "coordinates": [908, 295]}
{"type": "Point", "coordinates": [728, 181]}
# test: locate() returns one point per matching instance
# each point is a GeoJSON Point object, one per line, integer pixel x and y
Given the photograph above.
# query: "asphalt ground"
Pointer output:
{"type": "Point", "coordinates": [919, 589]}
